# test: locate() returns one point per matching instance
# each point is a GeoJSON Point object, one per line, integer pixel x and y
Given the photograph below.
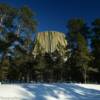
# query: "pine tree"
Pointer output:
{"type": "Point", "coordinates": [11, 21]}
{"type": "Point", "coordinates": [82, 56]}
{"type": "Point", "coordinates": [79, 49]}
{"type": "Point", "coordinates": [96, 47]}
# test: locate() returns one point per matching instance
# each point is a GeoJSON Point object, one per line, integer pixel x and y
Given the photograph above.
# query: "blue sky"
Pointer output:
{"type": "Point", "coordinates": [54, 14]}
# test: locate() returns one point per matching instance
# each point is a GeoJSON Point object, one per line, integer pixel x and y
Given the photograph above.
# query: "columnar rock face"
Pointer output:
{"type": "Point", "coordinates": [50, 41]}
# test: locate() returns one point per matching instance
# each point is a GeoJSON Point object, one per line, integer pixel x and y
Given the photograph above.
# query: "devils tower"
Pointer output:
{"type": "Point", "coordinates": [50, 41]}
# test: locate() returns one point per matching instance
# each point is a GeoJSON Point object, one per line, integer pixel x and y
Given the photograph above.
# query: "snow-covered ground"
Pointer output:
{"type": "Point", "coordinates": [56, 91]}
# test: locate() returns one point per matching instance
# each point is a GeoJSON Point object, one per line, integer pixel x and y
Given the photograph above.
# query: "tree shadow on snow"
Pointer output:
{"type": "Point", "coordinates": [61, 92]}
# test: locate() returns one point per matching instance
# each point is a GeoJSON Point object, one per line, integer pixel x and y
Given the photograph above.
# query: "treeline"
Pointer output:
{"type": "Point", "coordinates": [17, 63]}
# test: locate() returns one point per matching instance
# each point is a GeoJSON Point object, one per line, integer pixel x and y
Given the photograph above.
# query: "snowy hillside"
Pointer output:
{"type": "Point", "coordinates": [50, 92]}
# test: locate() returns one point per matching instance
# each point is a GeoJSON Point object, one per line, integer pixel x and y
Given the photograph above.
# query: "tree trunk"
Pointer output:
{"type": "Point", "coordinates": [85, 75]}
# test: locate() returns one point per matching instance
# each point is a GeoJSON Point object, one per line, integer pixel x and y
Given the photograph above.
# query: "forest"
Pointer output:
{"type": "Point", "coordinates": [18, 64]}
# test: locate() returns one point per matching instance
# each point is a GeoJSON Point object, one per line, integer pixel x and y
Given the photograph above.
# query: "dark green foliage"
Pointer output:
{"type": "Point", "coordinates": [20, 52]}
{"type": "Point", "coordinates": [26, 21]}
{"type": "Point", "coordinates": [78, 42]}
{"type": "Point", "coordinates": [17, 63]}
{"type": "Point", "coordinates": [96, 48]}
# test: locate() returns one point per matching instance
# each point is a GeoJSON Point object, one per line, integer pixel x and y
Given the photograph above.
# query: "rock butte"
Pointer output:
{"type": "Point", "coordinates": [50, 41]}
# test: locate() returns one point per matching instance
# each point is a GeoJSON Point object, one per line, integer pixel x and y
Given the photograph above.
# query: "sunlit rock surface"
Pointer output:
{"type": "Point", "coordinates": [50, 41]}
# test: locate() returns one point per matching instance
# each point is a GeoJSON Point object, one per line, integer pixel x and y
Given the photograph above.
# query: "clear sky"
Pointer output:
{"type": "Point", "coordinates": [54, 14]}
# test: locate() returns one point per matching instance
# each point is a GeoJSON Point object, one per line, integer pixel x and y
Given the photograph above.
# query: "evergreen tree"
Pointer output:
{"type": "Point", "coordinates": [79, 50]}
{"type": "Point", "coordinates": [82, 56]}
{"type": "Point", "coordinates": [96, 47]}
{"type": "Point", "coordinates": [16, 26]}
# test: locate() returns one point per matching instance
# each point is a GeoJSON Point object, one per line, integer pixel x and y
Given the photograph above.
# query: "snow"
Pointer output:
{"type": "Point", "coordinates": [54, 91]}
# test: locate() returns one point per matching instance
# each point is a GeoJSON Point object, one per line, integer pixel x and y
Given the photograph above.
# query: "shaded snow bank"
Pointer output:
{"type": "Point", "coordinates": [55, 91]}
